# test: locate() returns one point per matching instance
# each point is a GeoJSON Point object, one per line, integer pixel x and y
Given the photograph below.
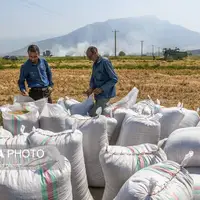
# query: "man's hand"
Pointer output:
{"type": "Point", "coordinates": [98, 91]}
{"type": "Point", "coordinates": [50, 89]}
{"type": "Point", "coordinates": [24, 93]}
{"type": "Point", "coordinates": [89, 92]}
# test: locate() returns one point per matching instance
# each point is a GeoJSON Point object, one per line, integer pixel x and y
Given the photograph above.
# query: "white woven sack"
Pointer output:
{"type": "Point", "coordinates": [195, 174]}
{"type": "Point", "coordinates": [180, 142]}
{"type": "Point", "coordinates": [95, 137]}
{"type": "Point", "coordinates": [28, 101]}
{"type": "Point", "coordinates": [38, 173]}
{"type": "Point", "coordinates": [170, 120]}
{"type": "Point", "coordinates": [111, 123]}
{"type": "Point", "coordinates": [165, 180]}
{"type": "Point", "coordinates": [53, 118]}
{"type": "Point", "coordinates": [111, 127]}
{"type": "Point", "coordinates": [119, 114]}
{"type": "Point", "coordinates": [139, 129]}
{"type": "Point", "coordinates": [61, 102]}
{"type": "Point", "coordinates": [13, 122]}
{"type": "Point", "coordinates": [120, 163]}
{"type": "Point", "coordinates": [4, 133]}
{"type": "Point", "coordinates": [76, 107]}
{"type": "Point", "coordinates": [14, 142]}
{"type": "Point", "coordinates": [69, 143]}
{"type": "Point", "coordinates": [146, 107]}
{"type": "Point", "coordinates": [69, 102]}
{"type": "Point", "coordinates": [126, 102]}
{"type": "Point", "coordinates": [191, 119]}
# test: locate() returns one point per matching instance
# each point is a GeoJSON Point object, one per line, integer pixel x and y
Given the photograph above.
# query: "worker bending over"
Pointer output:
{"type": "Point", "coordinates": [103, 80]}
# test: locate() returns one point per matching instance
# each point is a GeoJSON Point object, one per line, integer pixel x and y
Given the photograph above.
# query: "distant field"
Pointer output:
{"type": "Point", "coordinates": [168, 84]}
{"type": "Point", "coordinates": [134, 62]}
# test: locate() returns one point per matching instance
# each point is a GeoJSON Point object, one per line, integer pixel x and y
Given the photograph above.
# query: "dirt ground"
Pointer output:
{"type": "Point", "coordinates": [168, 85]}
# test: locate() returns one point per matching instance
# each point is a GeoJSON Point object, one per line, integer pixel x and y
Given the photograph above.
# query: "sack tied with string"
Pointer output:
{"type": "Point", "coordinates": [166, 180]}
{"type": "Point", "coordinates": [69, 143]}
{"type": "Point", "coordinates": [37, 173]}
{"type": "Point", "coordinates": [138, 129]}
{"type": "Point", "coordinates": [120, 163]}
{"type": "Point", "coordinates": [14, 116]}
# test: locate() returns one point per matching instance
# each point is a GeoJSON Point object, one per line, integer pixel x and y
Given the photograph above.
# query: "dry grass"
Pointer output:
{"type": "Point", "coordinates": [116, 62]}
{"type": "Point", "coordinates": [119, 62]}
{"type": "Point", "coordinates": [168, 85]}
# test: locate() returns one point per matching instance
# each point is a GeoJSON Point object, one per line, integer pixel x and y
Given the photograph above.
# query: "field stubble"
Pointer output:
{"type": "Point", "coordinates": [168, 85]}
{"type": "Point", "coordinates": [119, 63]}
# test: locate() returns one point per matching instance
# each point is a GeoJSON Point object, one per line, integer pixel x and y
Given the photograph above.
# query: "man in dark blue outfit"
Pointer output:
{"type": "Point", "coordinates": [102, 81]}
{"type": "Point", "coordinates": [37, 73]}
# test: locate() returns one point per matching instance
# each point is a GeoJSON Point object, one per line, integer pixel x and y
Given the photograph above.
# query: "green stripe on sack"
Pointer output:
{"type": "Point", "coordinates": [146, 163]}
{"type": "Point", "coordinates": [139, 163]}
{"type": "Point", "coordinates": [13, 125]}
{"type": "Point", "coordinates": [45, 140]}
{"type": "Point", "coordinates": [196, 191]}
{"type": "Point", "coordinates": [18, 126]}
{"type": "Point", "coordinates": [167, 167]}
{"type": "Point", "coordinates": [15, 133]}
{"type": "Point", "coordinates": [154, 170]}
{"type": "Point", "coordinates": [43, 185]}
{"type": "Point", "coordinates": [171, 171]}
{"type": "Point", "coordinates": [54, 182]}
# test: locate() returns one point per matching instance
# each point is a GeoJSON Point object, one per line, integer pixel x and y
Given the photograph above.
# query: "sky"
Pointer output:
{"type": "Point", "coordinates": [27, 20]}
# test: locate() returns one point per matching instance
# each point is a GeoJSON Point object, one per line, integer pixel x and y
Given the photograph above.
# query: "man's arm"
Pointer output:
{"type": "Point", "coordinates": [111, 73]}
{"type": "Point", "coordinates": [49, 74]}
{"type": "Point", "coordinates": [22, 78]}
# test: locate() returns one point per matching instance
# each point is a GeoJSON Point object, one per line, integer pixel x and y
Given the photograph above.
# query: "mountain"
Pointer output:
{"type": "Point", "coordinates": [195, 52]}
{"type": "Point", "coordinates": [150, 29]}
{"type": "Point", "coordinates": [11, 44]}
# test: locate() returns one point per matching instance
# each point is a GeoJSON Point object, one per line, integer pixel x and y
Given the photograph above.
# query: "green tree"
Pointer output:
{"type": "Point", "coordinates": [122, 53]}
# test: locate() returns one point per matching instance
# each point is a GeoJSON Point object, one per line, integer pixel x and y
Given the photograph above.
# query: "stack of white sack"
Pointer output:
{"type": "Point", "coordinates": [76, 107]}
{"type": "Point", "coordinates": [119, 109]}
{"type": "Point", "coordinates": [38, 173]}
{"type": "Point", "coordinates": [56, 118]}
{"type": "Point", "coordinates": [171, 117]}
{"type": "Point", "coordinates": [178, 143]}
{"type": "Point", "coordinates": [165, 180]}
{"type": "Point", "coordinates": [190, 119]}
{"type": "Point", "coordinates": [28, 101]}
{"type": "Point", "coordinates": [179, 117]}
{"type": "Point", "coordinates": [16, 115]}
{"type": "Point", "coordinates": [79, 111]}
{"type": "Point", "coordinates": [95, 134]}
{"type": "Point", "coordinates": [95, 137]}
{"type": "Point", "coordinates": [120, 163]}
{"type": "Point", "coordinates": [139, 129]}
{"type": "Point", "coordinates": [70, 145]}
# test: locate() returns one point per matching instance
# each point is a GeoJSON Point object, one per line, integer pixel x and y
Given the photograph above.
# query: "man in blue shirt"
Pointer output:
{"type": "Point", "coordinates": [37, 73]}
{"type": "Point", "coordinates": [102, 81]}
